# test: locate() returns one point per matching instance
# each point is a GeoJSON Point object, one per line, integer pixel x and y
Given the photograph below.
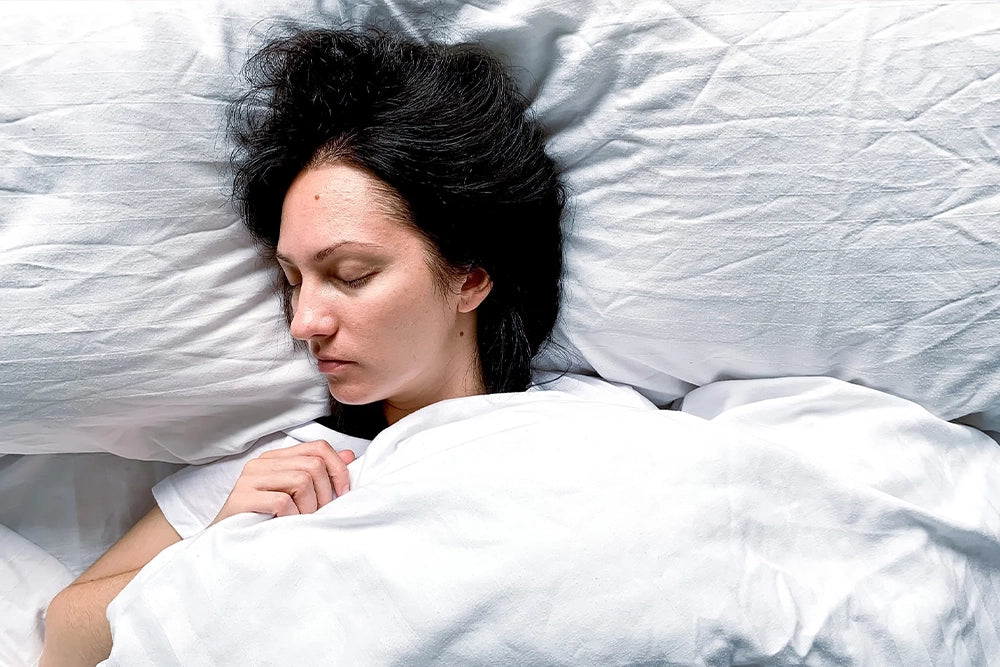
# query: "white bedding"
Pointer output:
{"type": "Point", "coordinates": [58, 513]}
{"type": "Point", "coordinates": [29, 578]}
{"type": "Point", "coordinates": [809, 521]}
{"type": "Point", "coordinates": [797, 188]}
{"type": "Point", "coordinates": [75, 505]}
{"type": "Point", "coordinates": [191, 498]}
{"type": "Point", "coordinates": [800, 188]}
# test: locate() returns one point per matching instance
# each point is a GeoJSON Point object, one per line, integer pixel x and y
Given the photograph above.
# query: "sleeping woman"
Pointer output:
{"type": "Point", "coordinates": [406, 194]}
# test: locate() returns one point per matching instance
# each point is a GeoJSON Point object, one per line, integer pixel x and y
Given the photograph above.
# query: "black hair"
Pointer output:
{"type": "Point", "coordinates": [446, 129]}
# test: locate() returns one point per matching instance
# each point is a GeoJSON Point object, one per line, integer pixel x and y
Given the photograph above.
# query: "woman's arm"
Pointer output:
{"type": "Point", "coordinates": [76, 627]}
{"type": "Point", "coordinates": [288, 480]}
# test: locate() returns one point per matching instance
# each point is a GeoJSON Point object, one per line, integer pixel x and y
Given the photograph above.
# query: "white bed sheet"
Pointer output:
{"type": "Point", "coordinates": [809, 521]}
{"type": "Point", "coordinates": [29, 578]}
{"type": "Point", "coordinates": [58, 513]}
{"type": "Point", "coordinates": [76, 505]}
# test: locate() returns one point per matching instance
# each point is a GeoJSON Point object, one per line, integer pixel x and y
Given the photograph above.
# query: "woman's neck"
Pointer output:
{"type": "Point", "coordinates": [461, 376]}
{"type": "Point", "coordinates": [471, 384]}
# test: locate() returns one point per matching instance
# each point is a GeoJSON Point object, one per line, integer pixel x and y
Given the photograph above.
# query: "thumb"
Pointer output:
{"type": "Point", "coordinates": [346, 455]}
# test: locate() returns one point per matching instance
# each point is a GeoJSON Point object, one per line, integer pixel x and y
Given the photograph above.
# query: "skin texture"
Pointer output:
{"type": "Point", "coordinates": [282, 482]}
{"type": "Point", "coordinates": [289, 481]}
{"type": "Point", "coordinates": [76, 630]}
{"type": "Point", "coordinates": [366, 294]}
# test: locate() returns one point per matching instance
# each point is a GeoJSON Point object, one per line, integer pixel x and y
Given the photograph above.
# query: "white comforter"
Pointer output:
{"type": "Point", "coordinates": [795, 521]}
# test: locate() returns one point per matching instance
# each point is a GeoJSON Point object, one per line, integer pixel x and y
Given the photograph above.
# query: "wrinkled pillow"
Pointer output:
{"type": "Point", "coordinates": [136, 318]}
{"type": "Point", "coordinates": [804, 189]}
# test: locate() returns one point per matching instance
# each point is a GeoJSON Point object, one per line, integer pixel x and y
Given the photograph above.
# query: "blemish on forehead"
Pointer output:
{"type": "Point", "coordinates": [316, 197]}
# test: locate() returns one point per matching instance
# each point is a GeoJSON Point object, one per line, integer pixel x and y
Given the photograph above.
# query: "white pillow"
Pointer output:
{"type": "Point", "coordinates": [806, 189]}
{"type": "Point", "coordinates": [136, 318]}
{"type": "Point", "coordinates": [803, 189]}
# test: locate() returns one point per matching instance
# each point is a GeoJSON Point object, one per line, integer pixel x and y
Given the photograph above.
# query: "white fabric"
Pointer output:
{"type": "Point", "coordinates": [58, 513]}
{"type": "Point", "coordinates": [136, 318]}
{"type": "Point", "coordinates": [191, 498]}
{"type": "Point", "coordinates": [542, 528]}
{"type": "Point", "coordinates": [795, 188]}
{"type": "Point", "coordinates": [29, 579]}
{"type": "Point", "coordinates": [75, 506]}
{"type": "Point", "coordinates": [780, 189]}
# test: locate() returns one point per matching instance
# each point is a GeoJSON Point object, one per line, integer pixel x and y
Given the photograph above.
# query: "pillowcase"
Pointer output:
{"type": "Point", "coordinates": [136, 318]}
{"type": "Point", "coordinates": [804, 189]}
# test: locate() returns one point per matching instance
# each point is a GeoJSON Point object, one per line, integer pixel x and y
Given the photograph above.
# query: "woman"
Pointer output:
{"type": "Point", "coordinates": [405, 193]}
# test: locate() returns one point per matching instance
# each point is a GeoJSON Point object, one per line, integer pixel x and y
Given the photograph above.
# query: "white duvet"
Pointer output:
{"type": "Point", "coordinates": [795, 521]}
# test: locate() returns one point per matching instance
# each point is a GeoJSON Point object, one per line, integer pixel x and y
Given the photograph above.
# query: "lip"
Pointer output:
{"type": "Point", "coordinates": [328, 366]}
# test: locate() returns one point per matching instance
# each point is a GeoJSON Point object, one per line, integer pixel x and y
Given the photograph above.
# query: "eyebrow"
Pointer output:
{"type": "Point", "coordinates": [327, 251]}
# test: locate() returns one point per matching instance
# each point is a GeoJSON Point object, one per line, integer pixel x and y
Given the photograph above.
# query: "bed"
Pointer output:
{"type": "Point", "coordinates": [783, 248]}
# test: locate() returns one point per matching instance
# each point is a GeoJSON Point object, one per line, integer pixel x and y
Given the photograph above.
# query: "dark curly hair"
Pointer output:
{"type": "Point", "coordinates": [445, 128]}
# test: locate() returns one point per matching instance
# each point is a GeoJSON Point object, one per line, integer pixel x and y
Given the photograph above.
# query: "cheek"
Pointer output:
{"type": "Point", "coordinates": [403, 317]}
{"type": "Point", "coordinates": [420, 318]}
{"type": "Point", "coordinates": [388, 322]}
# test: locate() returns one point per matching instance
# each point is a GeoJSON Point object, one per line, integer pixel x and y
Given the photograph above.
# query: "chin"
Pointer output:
{"type": "Point", "coordinates": [346, 395]}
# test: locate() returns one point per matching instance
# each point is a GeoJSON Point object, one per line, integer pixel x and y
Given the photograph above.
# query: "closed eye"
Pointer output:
{"type": "Point", "coordinates": [358, 283]}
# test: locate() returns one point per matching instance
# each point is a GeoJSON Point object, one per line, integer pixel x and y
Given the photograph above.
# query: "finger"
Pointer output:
{"type": "Point", "coordinates": [303, 491]}
{"type": "Point", "coordinates": [294, 478]}
{"type": "Point", "coordinates": [297, 450]}
{"type": "Point", "coordinates": [261, 467]}
{"type": "Point", "coordinates": [346, 455]}
{"type": "Point", "coordinates": [273, 503]}
{"type": "Point", "coordinates": [336, 468]}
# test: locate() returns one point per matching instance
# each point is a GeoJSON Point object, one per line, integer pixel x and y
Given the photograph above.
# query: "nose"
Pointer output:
{"type": "Point", "coordinates": [312, 315]}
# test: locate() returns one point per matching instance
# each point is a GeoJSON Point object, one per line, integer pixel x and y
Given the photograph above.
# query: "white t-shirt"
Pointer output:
{"type": "Point", "coordinates": [191, 498]}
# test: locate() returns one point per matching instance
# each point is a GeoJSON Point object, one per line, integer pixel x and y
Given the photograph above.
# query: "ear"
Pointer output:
{"type": "Point", "coordinates": [476, 287]}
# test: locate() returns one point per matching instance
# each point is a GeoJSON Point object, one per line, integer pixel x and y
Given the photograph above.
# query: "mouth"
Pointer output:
{"type": "Point", "coordinates": [328, 366]}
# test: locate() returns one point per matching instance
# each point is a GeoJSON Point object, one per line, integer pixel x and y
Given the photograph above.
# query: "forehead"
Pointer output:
{"type": "Point", "coordinates": [337, 203]}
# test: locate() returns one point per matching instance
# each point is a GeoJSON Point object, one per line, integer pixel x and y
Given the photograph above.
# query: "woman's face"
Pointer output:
{"type": "Point", "coordinates": [375, 316]}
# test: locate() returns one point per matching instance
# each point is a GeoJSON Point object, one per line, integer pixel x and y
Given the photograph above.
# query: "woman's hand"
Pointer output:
{"type": "Point", "coordinates": [291, 480]}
